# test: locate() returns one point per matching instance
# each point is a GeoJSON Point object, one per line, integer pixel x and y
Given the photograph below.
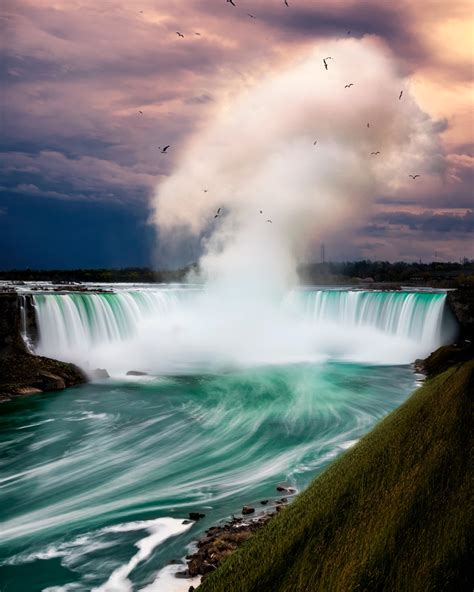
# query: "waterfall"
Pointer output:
{"type": "Point", "coordinates": [24, 323]}
{"type": "Point", "coordinates": [183, 329]}
{"type": "Point", "coordinates": [417, 316]}
{"type": "Point", "coordinates": [82, 320]}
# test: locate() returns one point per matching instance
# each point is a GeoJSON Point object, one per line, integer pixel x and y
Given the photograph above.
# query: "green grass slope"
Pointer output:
{"type": "Point", "coordinates": [394, 513]}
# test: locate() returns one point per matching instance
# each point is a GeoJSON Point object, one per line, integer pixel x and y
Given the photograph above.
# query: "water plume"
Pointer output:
{"type": "Point", "coordinates": [257, 153]}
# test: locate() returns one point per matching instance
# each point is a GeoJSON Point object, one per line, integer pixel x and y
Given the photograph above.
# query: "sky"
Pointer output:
{"type": "Point", "coordinates": [90, 90]}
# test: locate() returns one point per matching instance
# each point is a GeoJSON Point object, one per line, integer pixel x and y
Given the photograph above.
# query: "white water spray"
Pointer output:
{"type": "Point", "coordinates": [257, 153]}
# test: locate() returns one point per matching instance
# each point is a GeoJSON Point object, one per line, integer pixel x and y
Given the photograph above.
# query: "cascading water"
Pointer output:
{"type": "Point", "coordinates": [182, 329]}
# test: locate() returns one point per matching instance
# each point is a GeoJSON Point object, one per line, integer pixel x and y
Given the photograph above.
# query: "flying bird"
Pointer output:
{"type": "Point", "coordinates": [325, 62]}
{"type": "Point", "coordinates": [349, 85]}
{"type": "Point", "coordinates": [315, 142]}
{"type": "Point", "coordinates": [261, 211]}
{"type": "Point", "coordinates": [205, 190]}
{"type": "Point", "coordinates": [231, 2]}
{"type": "Point", "coordinates": [348, 32]}
{"type": "Point", "coordinates": [286, 4]}
{"type": "Point", "coordinates": [368, 125]}
{"type": "Point", "coordinates": [400, 95]}
{"type": "Point", "coordinates": [413, 176]}
{"type": "Point", "coordinates": [179, 34]}
{"type": "Point", "coordinates": [375, 153]}
{"type": "Point", "coordinates": [218, 211]}
{"type": "Point", "coordinates": [270, 221]}
{"type": "Point", "coordinates": [163, 150]}
{"type": "Point", "coordinates": [250, 15]}
{"type": "Point", "coordinates": [198, 34]}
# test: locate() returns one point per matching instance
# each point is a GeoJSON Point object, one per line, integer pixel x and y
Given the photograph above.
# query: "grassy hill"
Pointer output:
{"type": "Point", "coordinates": [394, 513]}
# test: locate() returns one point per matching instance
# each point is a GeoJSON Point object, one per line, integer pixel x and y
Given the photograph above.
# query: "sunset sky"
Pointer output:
{"type": "Point", "coordinates": [80, 163]}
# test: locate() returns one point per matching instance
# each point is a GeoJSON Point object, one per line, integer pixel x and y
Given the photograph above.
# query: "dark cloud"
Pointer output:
{"type": "Point", "coordinates": [75, 75]}
{"type": "Point", "coordinates": [426, 222]}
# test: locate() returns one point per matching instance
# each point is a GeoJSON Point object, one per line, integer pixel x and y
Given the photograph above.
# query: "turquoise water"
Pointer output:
{"type": "Point", "coordinates": [87, 473]}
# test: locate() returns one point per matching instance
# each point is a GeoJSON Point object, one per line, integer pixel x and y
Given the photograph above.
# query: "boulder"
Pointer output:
{"type": "Point", "coordinates": [100, 373]}
{"type": "Point", "coordinates": [196, 516]}
{"type": "Point", "coordinates": [50, 382]}
{"type": "Point", "coordinates": [248, 510]}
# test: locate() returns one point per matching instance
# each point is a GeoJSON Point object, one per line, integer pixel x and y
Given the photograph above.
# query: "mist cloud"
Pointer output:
{"type": "Point", "coordinates": [257, 153]}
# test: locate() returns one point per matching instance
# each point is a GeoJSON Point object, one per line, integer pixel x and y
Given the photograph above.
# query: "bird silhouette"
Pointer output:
{"type": "Point", "coordinates": [231, 2]}
{"type": "Point", "coordinates": [179, 34]}
{"type": "Point", "coordinates": [368, 125]}
{"type": "Point", "coordinates": [286, 3]}
{"type": "Point", "coordinates": [315, 142]}
{"type": "Point", "coordinates": [413, 176]}
{"type": "Point", "coordinates": [261, 211]}
{"type": "Point", "coordinates": [325, 62]}
{"type": "Point", "coordinates": [349, 85]}
{"type": "Point", "coordinates": [375, 153]}
{"type": "Point", "coordinates": [218, 211]}
{"type": "Point", "coordinates": [348, 32]}
{"type": "Point", "coordinates": [198, 34]}
{"type": "Point", "coordinates": [163, 150]}
{"type": "Point", "coordinates": [270, 221]}
{"type": "Point", "coordinates": [400, 95]}
{"type": "Point", "coordinates": [205, 190]}
{"type": "Point", "coordinates": [250, 15]}
{"type": "Point", "coordinates": [141, 112]}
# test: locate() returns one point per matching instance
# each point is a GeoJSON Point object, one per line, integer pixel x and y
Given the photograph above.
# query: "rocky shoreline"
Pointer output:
{"type": "Point", "coordinates": [222, 540]}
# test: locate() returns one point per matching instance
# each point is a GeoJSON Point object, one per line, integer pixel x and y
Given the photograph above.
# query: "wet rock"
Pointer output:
{"type": "Point", "coordinates": [186, 522]}
{"type": "Point", "coordinates": [136, 373]}
{"type": "Point", "coordinates": [264, 502]}
{"type": "Point", "coordinates": [195, 516]}
{"type": "Point", "coordinates": [285, 489]}
{"type": "Point", "coordinates": [284, 500]}
{"type": "Point", "coordinates": [28, 390]}
{"type": "Point", "coordinates": [100, 373]}
{"type": "Point", "coordinates": [50, 382]}
{"type": "Point", "coordinates": [248, 510]}
{"type": "Point", "coordinates": [220, 542]}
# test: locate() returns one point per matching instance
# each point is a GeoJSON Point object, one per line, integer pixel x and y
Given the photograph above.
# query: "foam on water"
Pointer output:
{"type": "Point", "coordinates": [160, 530]}
{"type": "Point", "coordinates": [166, 581]}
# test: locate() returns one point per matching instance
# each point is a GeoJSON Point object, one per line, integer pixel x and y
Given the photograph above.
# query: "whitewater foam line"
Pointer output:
{"type": "Point", "coordinates": [160, 530]}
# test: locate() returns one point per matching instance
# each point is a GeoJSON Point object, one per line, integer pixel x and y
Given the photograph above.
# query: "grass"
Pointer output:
{"type": "Point", "coordinates": [394, 513]}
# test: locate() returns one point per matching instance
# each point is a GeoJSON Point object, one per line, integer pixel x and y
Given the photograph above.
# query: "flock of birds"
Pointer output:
{"type": "Point", "coordinates": [164, 150]}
